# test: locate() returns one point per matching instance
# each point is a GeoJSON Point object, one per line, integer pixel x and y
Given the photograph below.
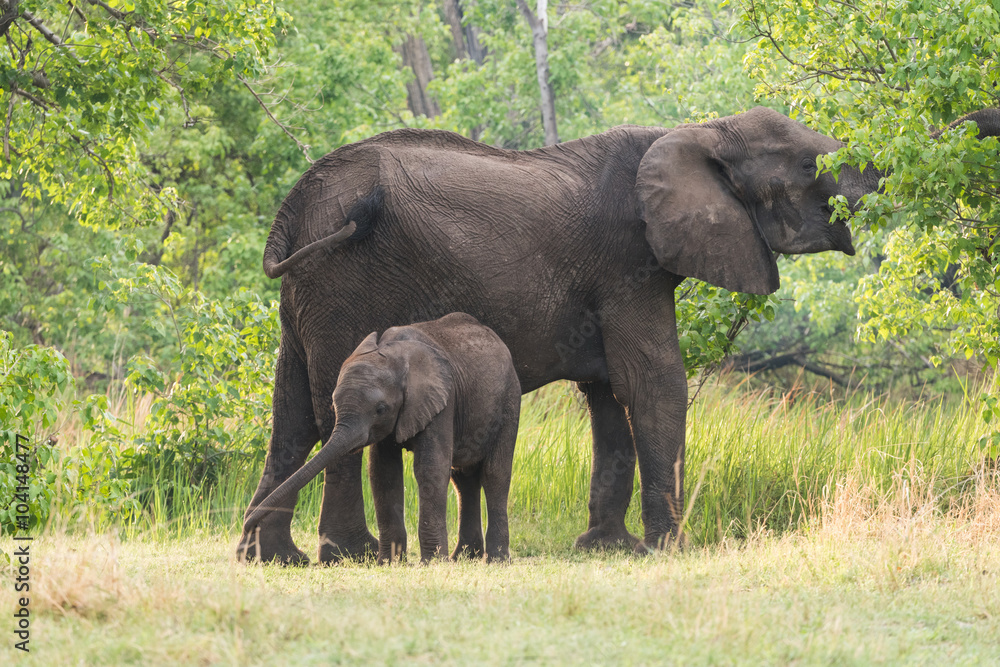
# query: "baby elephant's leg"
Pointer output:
{"type": "Point", "coordinates": [496, 486]}
{"type": "Point", "coordinates": [469, 487]}
{"type": "Point", "coordinates": [432, 468]}
{"type": "Point", "coordinates": [385, 470]}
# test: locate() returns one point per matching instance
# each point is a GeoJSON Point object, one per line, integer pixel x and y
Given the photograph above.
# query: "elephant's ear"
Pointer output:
{"type": "Point", "coordinates": [428, 389]}
{"type": "Point", "coordinates": [369, 344]}
{"type": "Point", "coordinates": [695, 224]}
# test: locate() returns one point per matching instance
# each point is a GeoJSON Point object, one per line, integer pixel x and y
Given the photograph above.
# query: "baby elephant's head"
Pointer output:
{"type": "Point", "coordinates": [398, 386]}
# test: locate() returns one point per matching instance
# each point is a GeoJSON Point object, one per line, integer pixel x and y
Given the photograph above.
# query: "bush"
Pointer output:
{"type": "Point", "coordinates": [38, 390]}
{"type": "Point", "coordinates": [212, 409]}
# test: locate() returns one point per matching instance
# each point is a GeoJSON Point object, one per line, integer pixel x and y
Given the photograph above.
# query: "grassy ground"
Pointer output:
{"type": "Point", "coordinates": [857, 532]}
{"type": "Point", "coordinates": [889, 592]}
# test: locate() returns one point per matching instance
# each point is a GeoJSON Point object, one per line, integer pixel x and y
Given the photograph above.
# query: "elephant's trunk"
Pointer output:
{"type": "Point", "coordinates": [988, 121]}
{"type": "Point", "coordinates": [344, 439]}
{"type": "Point", "coordinates": [856, 183]}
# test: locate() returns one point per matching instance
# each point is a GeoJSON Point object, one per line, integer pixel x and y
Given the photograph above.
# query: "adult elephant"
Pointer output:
{"type": "Point", "coordinates": [571, 253]}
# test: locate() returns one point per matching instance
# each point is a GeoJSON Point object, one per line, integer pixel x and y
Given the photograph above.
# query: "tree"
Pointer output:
{"type": "Point", "coordinates": [889, 78]}
{"type": "Point", "coordinates": [465, 35]}
{"type": "Point", "coordinates": [82, 82]}
{"type": "Point", "coordinates": [415, 56]}
{"type": "Point", "coordinates": [539, 36]}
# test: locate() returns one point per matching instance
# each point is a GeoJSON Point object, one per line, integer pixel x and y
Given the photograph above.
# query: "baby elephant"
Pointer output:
{"type": "Point", "coordinates": [447, 390]}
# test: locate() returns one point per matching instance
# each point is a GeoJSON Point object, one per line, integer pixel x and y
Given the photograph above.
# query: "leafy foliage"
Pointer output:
{"type": "Point", "coordinates": [35, 394]}
{"type": "Point", "coordinates": [82, 82]}
{"type": "Point", "coordinates": [882, 76]}
{"type": "Point", "coordinates": [214, 406]}
{"type": "Point", "coordinates": [644, 63]}
{"type": "Point", "coordinates": [709, 319]}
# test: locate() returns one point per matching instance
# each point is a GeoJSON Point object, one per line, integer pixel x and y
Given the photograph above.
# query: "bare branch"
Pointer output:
{"type": "Point", "coordinates": [100, 161]}
{"type": "Point", "coordinates": [302, 147]}
{"type": "Point", "coordinates": [188, 120]}
{"type": "Point", "coordinates": [73, 9]}
{"type": "Point", "coordinates": [28, 96]}
{"type": "Point", "coordinates": [108, 8]}
{"type": "Point", "coordinates": [37, 24]}
{"type": "Point", "coordinates": [6, 130]}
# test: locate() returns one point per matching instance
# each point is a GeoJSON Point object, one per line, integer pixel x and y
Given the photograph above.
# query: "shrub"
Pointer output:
{"type": "Point", "coordinates": [36, 393]}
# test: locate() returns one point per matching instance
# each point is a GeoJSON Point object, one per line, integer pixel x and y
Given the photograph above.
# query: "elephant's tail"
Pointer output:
{"type": "Point", "coordinates": [275, 269]}
{"type": "Point", "coordinates": [285, 230]}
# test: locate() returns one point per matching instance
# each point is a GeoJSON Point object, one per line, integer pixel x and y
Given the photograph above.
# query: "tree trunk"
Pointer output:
{"type": "Point", "coordinates": [465, 38]}
{"type": "Point", "coordinates": [415, 56]}
{"type": "Point", "coordinates": [9, 11]}
{"type": "Point", "coordinates": [539, 33]}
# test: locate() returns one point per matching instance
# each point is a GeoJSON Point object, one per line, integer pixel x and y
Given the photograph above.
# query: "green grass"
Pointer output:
{"type": "Point", "coordinates": [760, 460]}
{"type": "Point", "coordinates": [855, 531]}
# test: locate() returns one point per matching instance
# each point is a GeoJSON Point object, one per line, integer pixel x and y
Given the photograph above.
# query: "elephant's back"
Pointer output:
{"type": "Point", "coordinates": [479, 355]}
{"type": "Point", "coordinates": [487, 390]}
{"type": "Point", "coordinates": [482, 362]}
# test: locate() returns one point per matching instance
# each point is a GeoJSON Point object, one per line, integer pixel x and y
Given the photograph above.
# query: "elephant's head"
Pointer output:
{"type": "Point", "coordinates": [721, 198]}
{"type": "Point", "coordinates": [398, 386]}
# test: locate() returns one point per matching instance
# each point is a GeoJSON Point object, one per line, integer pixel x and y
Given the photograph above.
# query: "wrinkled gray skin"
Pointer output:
{"type": "Point", "coordinates": [570, 253]}
{"type": "Point", "coordinates": [446, 390]}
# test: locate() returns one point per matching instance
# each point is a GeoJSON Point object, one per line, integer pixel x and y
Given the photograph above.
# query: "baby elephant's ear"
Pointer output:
{"type": "Point", "coordinates": [369, 344]}
{"type": "Point", "coordinates": [428, 388]}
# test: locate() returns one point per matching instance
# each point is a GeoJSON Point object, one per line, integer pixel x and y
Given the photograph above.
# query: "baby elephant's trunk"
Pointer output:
{"type": "Point", "coordinates": [342, 441]}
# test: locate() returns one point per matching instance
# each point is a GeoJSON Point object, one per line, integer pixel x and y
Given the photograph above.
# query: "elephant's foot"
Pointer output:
{"type": "Point", "coordinates": [668, 542]}
{"type": "Point", "coordinates": [257, 546]}
{"type": "Point", "coordinates": [500, 555]}
{"type": "Point", "coordinates": [472, 549]}
{"type": "Point", "coordinates": [333, 550]}
{"type": "Point", "coordinates": [392, 550]}
{"type": "Point", "coordinates": [601, 538]}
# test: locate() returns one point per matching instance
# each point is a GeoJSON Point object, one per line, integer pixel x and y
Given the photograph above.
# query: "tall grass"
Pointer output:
{"type": "Point", "coordinates": [767, 460]}
{"type": "Point", "coordinates": [755, 461]}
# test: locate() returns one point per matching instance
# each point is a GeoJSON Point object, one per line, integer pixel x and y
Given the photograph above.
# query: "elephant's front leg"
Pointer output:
{"type": "Point", "coordinates": [294, 434]}
{"type": "Point", "coordinates": [647, 376]}
{"type": "Point", "coordinates": [612, 472]}
{"type": "Point", "coordinates": [432, 451]}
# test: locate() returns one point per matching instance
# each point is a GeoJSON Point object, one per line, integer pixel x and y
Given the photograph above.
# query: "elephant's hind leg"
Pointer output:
{"type": "Point", "coordinates": [612, 473]}
{"type": "Point", "coordinates": [468, 485]}
{"type": "Point", "coordinates": [497, 471]}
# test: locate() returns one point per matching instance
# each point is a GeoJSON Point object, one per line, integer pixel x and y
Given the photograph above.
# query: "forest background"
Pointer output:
{"type": "Point", "coordinates": [146, 146]}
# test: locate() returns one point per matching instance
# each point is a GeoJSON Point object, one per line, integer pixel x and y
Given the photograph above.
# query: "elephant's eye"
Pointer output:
{"type": "Point", "coordinates": [809, 165]}
{"type": "Point", "coordinates": [381, 409]}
